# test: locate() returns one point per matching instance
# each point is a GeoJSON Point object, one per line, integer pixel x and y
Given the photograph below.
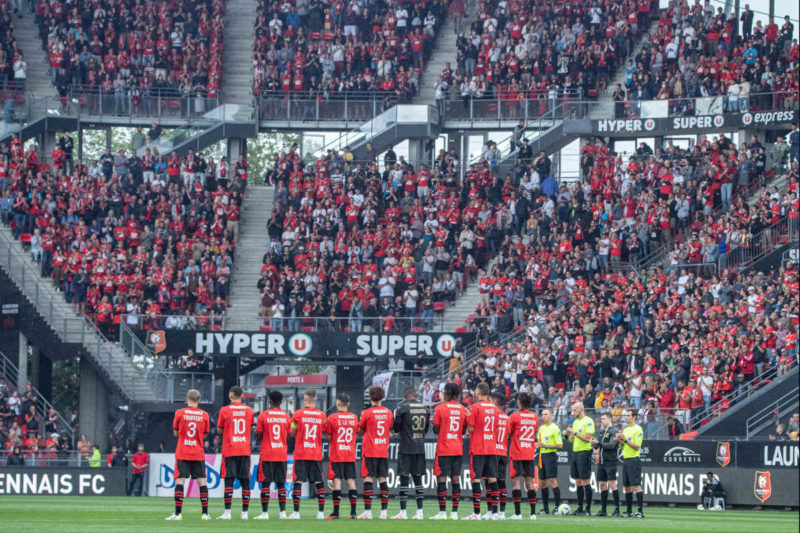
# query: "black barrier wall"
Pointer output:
{"type": "Point", "coordinates": [62, 481]}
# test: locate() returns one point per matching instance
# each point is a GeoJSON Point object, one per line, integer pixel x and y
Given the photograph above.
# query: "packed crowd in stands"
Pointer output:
{"type": "Point", "coordinates": [316, 50]}
{"type": "Point", "coordinates": [696, 51]}
{"type": "Point", "coordinates": [139, 236]}
{"type": "Point", "coordinates": [670, 337]}
{"type": "Point", "coordinates": [13, 68]}
{"type": "Point", "coordinates": [537, 50]}
{"type": "Point", "coordinates": [348, 240]}
{"type": "Point", "coordinates": [133, 50]}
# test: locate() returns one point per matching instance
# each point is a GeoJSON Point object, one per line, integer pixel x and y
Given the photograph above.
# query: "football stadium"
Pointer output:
{"type": "Point", "coordinates": [311, 265]}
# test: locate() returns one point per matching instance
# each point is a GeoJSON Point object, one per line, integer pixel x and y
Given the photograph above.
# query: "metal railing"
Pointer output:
{"type": "Point", "coordinates": [11, 372]}
{"type": "Point", "coordinates": [501, 110]}
{"type": "Point", "coordinates": [763, 243]}
{"type": "Point", "coordinates": [435, 323]}
{"type": "Point", "coordinates": [771, 413]}
{"type": "Point", "coordinates": [350, 108]}
{"type": "Point", "coordinates": [48, 457]}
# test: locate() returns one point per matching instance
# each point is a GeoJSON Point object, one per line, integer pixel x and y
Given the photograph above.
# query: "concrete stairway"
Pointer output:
{"type": "Point", "coordinates": [444, 52]}
{"type": "Point", "coordinates": [110, 359]}
{"type": "Point", "coordinates": [27, 36]}
{"type": "Point", "coordinates": [237, 57]}
{"type": "Point", "coordinates": [244, 298]}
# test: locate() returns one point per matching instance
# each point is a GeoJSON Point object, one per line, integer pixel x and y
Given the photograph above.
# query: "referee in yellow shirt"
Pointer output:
{"type": "Point", "coordinates": [548, 442]}
{"type": "Point", "coordinates": [631, 439]}
{"type": "Point", "coordinates": [580, 435]}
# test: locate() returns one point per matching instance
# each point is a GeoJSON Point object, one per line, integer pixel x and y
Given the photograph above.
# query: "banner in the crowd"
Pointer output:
{"type": "Point", "coordinates": [709, 123]}
{"type": "Point", "coordinates": [314, 346]}
{"type": "Point", "coordinates": [51, 481]}
{"type": "Point", "coordinates": [382, 380]}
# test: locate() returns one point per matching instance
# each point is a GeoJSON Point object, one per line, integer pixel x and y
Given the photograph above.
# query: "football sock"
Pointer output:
{"type": "Point", "coordinates": [476, 497]}
{"type": "Point", "coordinates": [204, 498]}
{"type": "Point", "coordinates": [320, 496]}
{"type": "Point", "coordinates": [353, 494]}
{"type": "Point", "coordinates": [227, 493]}
{"type": "Point", "coordinates": [419, 491]}
{"type": "Point", "coordinates": [588, 498]}
{"type": "Point", "coordinates": [640, 500]}
{"type": "Point", "coordinates": [493, 492]}
{"type": "Point", "coordinates": [580, 498]}
{"type": "Point", "coordinates": [456, 496]}
{"type": "Point", "coordinates": [546, 499]}
{"type": "Point", "coordinates": [264, 499]}
{"type": "Point", "coordinates": [178, 499]}
{"type": "Point", "coordinates": [337, 494]}
{"type": "Point", "coordinates": [282, 497]}
{"type": "Point", "coordinates": [516, 497]}
{"type": "Point", "coordinates": [557, 496]}
{"type": "Point", "coordinates": [403, 493]}
{"type": "Point", "coordinates": [368, 495]}
{"type": "Point", "coordinates": [615, 494]}
{"type": "Point", "coordinates": [245, 494]}
{"type": "Point", "coordinates": [296, 491]}
{"type": "Point", "coordinates": [441, 495]}
{"type": "Point", "coordinates": [501, 483]}
{"type": "Point", "coordinates": [628, 501]}
{"type": "Point", "coordinates": [603, 500]}
{"type": "Point", "coordinates": [384, 486]}
{"type": "Point", "coordinates": [532, 500]}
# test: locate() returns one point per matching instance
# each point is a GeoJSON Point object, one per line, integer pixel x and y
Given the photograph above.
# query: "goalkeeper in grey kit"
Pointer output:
{"type": "Point", "coordinates": [411, 420]}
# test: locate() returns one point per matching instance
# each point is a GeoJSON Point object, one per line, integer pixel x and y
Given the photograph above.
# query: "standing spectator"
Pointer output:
{"type": "Point", "coordinates": [139, 464]}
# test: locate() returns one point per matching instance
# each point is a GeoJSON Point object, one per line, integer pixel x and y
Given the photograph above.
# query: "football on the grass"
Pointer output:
{"type": "Point", "coordinates": [563, 509]}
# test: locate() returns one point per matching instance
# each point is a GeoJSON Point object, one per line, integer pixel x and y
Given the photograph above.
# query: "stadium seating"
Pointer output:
{"type": "Point", "coordinates": [132, 51]}
{"type": "Point", "coordinates": [141, 236]}
{"type": "Point", "coordinates": [10, 56]}
{"type": "Point", "coordinates": [320, 52]}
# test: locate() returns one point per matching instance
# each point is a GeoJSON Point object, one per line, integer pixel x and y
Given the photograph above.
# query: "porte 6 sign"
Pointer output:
{"type": "Point", "coordinates": [314, 346]}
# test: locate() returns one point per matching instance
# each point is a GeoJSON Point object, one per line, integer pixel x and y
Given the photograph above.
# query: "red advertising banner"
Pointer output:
{"type": "Point", "coordinates": [308, 379]}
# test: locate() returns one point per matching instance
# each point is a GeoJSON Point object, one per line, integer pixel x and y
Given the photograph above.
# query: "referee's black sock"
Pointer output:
{"type": "Point", "coordinates": [603, 500]}
{"type": "Point", "coordinates": [546, 499]}
{"type": "Point", "coordinates": [403, 493]}
{"type": "Point", "coordinates": [580, 498]}
{"type": "Point", "coordinates": [640, 501]}
{"type": "Point", "coordinates": [629, 501]}
{"type": "Point", "coordinates": [557, 496]}
{"type": "Point", "coordinates": [516, 496]}
{"type": "Point", "coordinates": [419, 491]}
{"type": "Point", "coordinates": [588, 498]}
{"type": "Point", "coordinates": [532, 500]}
{"type": "Point", "coordinates": [615, 494]}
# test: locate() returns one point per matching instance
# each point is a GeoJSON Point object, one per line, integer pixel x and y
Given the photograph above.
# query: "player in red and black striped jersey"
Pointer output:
{"type": "Point", "coordinates": [341, 429]}
{"type": "Point", "coordinates": [235, 423]}
{"type": "Point", "coordinates": [308, 425]}
{"type": "Point", "coordinates": [190, 426]}
{"type": "Point", "coordinates": [522, 426]}
{"type": "Point", "coordinates": [273, 428]}
{"type": "Point", "coordinates": [449, 424]}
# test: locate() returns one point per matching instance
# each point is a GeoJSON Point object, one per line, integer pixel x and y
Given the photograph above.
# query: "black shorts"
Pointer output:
{"type": "Point", "coordinates": [481, 466]}
{"type": "Point", "coordinates": [310, 471]}
{"type": "Point", "coordinates": [581, 465]}
{"type": "Point", "coordinates": [548, 465]}
{"type": "Point", "coordinates": [237, 467]}
{"type": "Point", "coordinates": [502, 466]}
{"type": "Point", "coordinates": [190, 469]}
{"type": "Point", "coordinates": [374, 467]}
{"type": "Point", "coordinates": [273, 472]}
{"type": "Point", "coordinates": [606, 473]}
{"type": "Point", "coordinates": [631, 472]}
{"type": "Point", "coordinates": [448, 465]}
{"type": "Point", "coordinates": [411, 464]}
{"type": "Point", "coordinates": [343, 470]}
{"type": "Point", "coordinates": [523, 469]}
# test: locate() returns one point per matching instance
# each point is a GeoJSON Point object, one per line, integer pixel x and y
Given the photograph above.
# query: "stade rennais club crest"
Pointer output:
{"type": "Point", "coordinates": [762, 486]}
{"type": "Point", "coordinates": [723, 453]}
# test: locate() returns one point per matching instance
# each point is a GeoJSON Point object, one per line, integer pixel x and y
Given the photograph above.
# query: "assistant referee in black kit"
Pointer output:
{"type": "Point", "coordinates": [607, 463]}
{"type": "Point", "coordinates": [411, 420]}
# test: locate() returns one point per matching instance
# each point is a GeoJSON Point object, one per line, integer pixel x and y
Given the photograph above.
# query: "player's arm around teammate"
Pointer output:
{"type": "Point", "coordinates": [548, 442]}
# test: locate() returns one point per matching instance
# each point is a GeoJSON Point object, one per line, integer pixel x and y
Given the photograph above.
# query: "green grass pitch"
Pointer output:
{"type": "Point", "coordinates": [23, 514]}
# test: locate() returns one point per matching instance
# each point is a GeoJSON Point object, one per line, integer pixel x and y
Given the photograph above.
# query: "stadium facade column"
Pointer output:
{"type": "Point", "coordinates": [93, 406]}
{"type": "Point", "coordinates": [41, 370]}
{"type": "Point", "coordinates": [416, 152]}
{"type": "Point", "coordinates": [236, 146]}
{"type": "Point", "coordinates": [22, 362]}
